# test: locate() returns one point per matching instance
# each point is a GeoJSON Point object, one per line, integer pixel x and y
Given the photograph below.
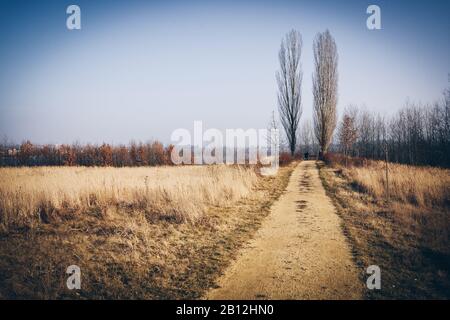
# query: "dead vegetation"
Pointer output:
{"type": "Point", "coordinates": [125, 250]}
{"type": "Point", "coordinates": [30, 196]}
{"type": "Point", "coordinates": [407, 236]}
{"type": "Point", "coordinates": [424, 187]}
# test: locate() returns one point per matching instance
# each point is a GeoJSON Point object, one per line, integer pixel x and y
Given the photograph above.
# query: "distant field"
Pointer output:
{"type": "Point", "coordinates": [29, 196]}
{"type": "Point", "coordinates": [407, 235]}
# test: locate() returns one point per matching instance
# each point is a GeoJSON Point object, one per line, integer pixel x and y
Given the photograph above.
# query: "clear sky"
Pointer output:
{"type": "Point", "coordinates": [140, 69]}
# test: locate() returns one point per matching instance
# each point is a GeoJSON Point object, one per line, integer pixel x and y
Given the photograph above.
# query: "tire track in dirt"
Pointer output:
{"type": "Point", "coordinates": [300, 251]}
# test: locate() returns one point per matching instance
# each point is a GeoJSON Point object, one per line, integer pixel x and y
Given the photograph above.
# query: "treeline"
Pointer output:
{"type": "Point", "coordinates": [134, 154]}
{"type": "Point", "coordinates": [416, 134]}
{"type": "Point", "coordinates": [105, 155]}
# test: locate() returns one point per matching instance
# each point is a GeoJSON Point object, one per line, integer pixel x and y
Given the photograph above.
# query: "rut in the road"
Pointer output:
{"type": "Point", "coordinates": [300, 251]}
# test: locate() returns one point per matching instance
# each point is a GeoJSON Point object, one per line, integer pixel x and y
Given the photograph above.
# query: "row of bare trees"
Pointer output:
{"type": "Point", "coordinates": [134, 154]}
{"type": "Point", "coordinates": [325, 84]}
{"type": "Point", "coordinates": [416, 134]}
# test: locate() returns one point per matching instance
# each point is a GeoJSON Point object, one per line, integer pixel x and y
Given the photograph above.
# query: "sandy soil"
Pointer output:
{"type": "Point", "coordinates": [300, 251]}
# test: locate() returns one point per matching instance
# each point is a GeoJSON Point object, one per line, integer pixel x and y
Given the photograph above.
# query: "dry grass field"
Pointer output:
{"type": "Point", "coordinates": [407, 235]}
{"type": "Point", "coordinates": [153, 233]}
{"type": "Point", "coordinates": [31, 195]}
{"type": "Point", "coordinates": [424, 187]}
{"type": "Point", "coordinates": [169, 232]}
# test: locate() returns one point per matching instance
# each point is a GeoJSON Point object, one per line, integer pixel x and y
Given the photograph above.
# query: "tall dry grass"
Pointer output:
{"type": "Point", "coordinates": [29, 196]}
{"type": "Point", "coordinates": [419, 198]}
{"type": "Point", "coordinates": [407, 236]}
{"type": "Point", "coordinates": [420, 186]}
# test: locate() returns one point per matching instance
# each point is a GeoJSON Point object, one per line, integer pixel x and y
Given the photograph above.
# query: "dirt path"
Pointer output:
{"type": "Point", "coordinates": [299, 252]}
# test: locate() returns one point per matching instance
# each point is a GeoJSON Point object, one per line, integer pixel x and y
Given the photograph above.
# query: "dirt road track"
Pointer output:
{"type": "Point", "coordinates": [299, 252]}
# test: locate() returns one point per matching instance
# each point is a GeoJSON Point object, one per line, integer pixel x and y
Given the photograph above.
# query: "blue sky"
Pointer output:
{"type": "Point", "coordinates": [139, 69]}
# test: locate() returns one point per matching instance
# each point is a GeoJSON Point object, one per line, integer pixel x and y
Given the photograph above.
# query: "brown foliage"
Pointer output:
{"type": "Point", "coordinates": [337, 159]}
{"type": "Point", "coordinates": [285, 158]}
{"type": "Point", "coordinates": [106, 155]}
{"type": "Point", "coordinates": [67, 155]}
{"type": "Point", "coordinates": [156, 154]}
{"type": "Point", "coordinates": [26, 152]}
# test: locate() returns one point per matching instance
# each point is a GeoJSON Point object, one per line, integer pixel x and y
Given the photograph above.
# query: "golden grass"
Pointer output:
{"type": "Point", "coordinates": [125, 254]}
{"type": "Point", "coordinates": [422, 186]}
{"type": "Point", "coordinates": [29, 196]}
{"type": "Point", "coordinates": [407, 236]}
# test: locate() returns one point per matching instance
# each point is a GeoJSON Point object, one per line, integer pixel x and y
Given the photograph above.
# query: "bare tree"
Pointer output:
{"type": "Point", "coordinates": [347, 132]}
{"type": "Point", "coordinates": [289, 79]}
{"type": "Point", "coordinates": [325, 81]}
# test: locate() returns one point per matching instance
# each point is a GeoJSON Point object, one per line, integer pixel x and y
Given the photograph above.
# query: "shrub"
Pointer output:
{"type": "Point", "coordinates": [285, 158]}
{"type": "Point", "coordinates": [338, 159]}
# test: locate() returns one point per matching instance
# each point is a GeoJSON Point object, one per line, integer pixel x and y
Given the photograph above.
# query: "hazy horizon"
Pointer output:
{"type": "Point", "coordinates": [139, 70]}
